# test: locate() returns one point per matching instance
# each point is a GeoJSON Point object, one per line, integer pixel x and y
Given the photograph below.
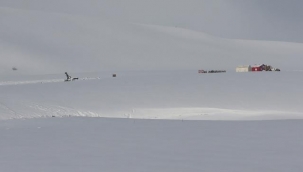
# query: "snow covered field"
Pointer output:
{"type": "Point", "coordinates": [158, 114]}
{"type": "Point", "coordinates": [128, 140]}
{"type": "Point", "coordinates": [157, 95]}
{"type": "Point", "coordinates": [116, 145]}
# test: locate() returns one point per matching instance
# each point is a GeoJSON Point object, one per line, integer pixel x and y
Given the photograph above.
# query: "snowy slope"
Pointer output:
{"type": "Point", "coordinates": [156, 67]}
{"type": "Point", "coordinates": [47, 42]}
{"type": "Point", "coordinates": [43, 44]}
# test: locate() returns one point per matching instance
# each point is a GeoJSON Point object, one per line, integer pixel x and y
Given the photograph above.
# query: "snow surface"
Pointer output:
{"type": "Point", "coordinates": [55, 140]}
{"type": "Point", "coordinates": [47, 42]}
{"type": "Point", "coordinates": [118, 145]}
{"type": "Point", "coordinates": [156, 95]}
{"type": "Point", "coordinates": [209, 122]}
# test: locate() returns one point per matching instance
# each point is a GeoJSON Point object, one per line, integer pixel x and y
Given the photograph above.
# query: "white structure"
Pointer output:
{"type": "Point", "coordinates": [243, 68]}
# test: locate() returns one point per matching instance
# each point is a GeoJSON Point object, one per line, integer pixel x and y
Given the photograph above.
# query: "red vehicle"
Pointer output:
{"type": "Point", "coordinates": [257, 68]}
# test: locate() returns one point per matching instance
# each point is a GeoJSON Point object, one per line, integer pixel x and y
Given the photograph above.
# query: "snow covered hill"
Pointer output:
{"type": "Point", "coordinates": [210, 122]}
{"type": "Point", "coordinates": [46, 42]}
{"type": "Point", "coordinates": [43, 44]}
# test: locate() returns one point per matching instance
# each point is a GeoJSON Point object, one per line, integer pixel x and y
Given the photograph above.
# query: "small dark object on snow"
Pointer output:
{"type": "Point", "coordinates": [114, 75]}
{"type": "Point", "coordinates": [69, 78]}
{"type": "Point", "coordinates": [14, 68]}
{"type": "Point", "coordinates": [202, 71]}
{"type": "Point", "coordinates": [217, 71]}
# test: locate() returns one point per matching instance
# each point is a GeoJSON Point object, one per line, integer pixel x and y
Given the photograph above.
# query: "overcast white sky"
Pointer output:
{"type": "Point", "coordinates": [245, 19]}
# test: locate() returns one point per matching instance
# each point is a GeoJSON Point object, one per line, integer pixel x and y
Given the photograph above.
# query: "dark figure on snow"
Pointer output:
{"type": "Point", "coordinates": [68, 78]}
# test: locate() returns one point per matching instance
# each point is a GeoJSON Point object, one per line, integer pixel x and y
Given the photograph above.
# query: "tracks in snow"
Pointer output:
{"type": "Point", "coordinates": [5, 83]}
{"type": "Point", "coordinates": [27, 110]}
